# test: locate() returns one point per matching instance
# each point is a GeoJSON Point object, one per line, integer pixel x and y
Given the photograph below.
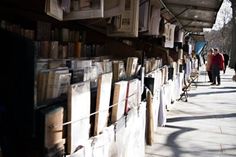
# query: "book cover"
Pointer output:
{"type": "Point", "coordinates": [53, 8]}
{"type": "Point", "coordinates": [113, 7]}
{"type": "Point", "coordinates": [79, 115]}
{"type": "Point", "coordinates": [126, 24]}
{"type": "Point", "coordinates": [119, 99]}
{"type": "Point", "coordinates": [102, 102]}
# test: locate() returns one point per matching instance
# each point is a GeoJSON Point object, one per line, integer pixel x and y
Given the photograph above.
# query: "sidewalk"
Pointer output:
{"type": "Point", "coordinates": [205, 126]}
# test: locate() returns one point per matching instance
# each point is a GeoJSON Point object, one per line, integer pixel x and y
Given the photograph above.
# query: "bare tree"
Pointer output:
{"type": "Point", "coordinates": [221, 36]}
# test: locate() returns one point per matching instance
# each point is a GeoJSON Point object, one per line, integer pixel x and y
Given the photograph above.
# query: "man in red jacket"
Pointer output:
{"type": "Point", "coordinates": [217, 64]}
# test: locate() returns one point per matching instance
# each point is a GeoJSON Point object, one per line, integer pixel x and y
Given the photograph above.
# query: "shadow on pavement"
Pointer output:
{"type": "Point", "coordinates": [214, 92]}
{"type": "Point", "coordinates": [201, 117]}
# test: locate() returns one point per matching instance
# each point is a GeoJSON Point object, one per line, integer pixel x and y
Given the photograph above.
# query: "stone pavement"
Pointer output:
{"type": "Point", "coordinates": [205, 126]}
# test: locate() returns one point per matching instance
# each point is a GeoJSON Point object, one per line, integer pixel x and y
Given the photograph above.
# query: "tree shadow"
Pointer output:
{"type": "Point", "coordinates": [176, 149]}
{"type": "Point", "coordinates": [213, 92]}
{"type": "Point", "coordinates": [201, 117]}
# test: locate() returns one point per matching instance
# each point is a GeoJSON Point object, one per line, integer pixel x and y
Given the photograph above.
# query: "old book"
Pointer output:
{"type": "Point", "coordinates": [65, 34]}
{"type": "Point", "coordinates": [42, 81]}
{"type": "Point", "coordinates": [107, 66]}
{"type": "Point", "coordinates": [61, 84]}
{"type": "Point", "coordinates": [144, 15]}
{"type": "Point", "coordinates": [133, 95]}
{"type": "Point", "coordinates": [83, 9]}
{"type": "Point", "coordinates": [53, 54]}
{"type": "Point", "coordinates": [53, 127]}
{"type": "Point", "coordinates": [154, 18]}
{"type": "Point", "coordinates": [102, 102]}
{"type": "Point", "coordinates": [78, 48]}
{"type": "Point", "coordinates": [77, 75]}
{"type": "Point", "coordinates": [99, 66]}
{"type": "Point", "coordinates": [126, 24]}
{"type": "Point", "coordinates": [83, 63]}
{"type": "Point", "coordinates": [114, 7]}
{"type": "Point", "coordinates": [91, 74]}
{"type": "Point", "coordinates": [43, 31]}
{"type": "Point", "coordinates": [118, 70]}
{"type": "Point", "coordinates": [119, 99]}
{"type": "Point", "coordinates": [42, 64]}
{"type": "Point", "coordinates": [169, 35]}
{"type": "Point", "coordinates": [52, 77]}
{"type": "Point", "coordinates": [79, 115]}
{"type": "Point", "coordinates": [86, 9]}
{"type": "Point", "coordinates": [53, 8]}
{"type": "Point", "coordinates": [132, 63]}
{"type": "Point", "coordinates": [56, 63]}
{"type": "Point", "coordinates": [44, 49]}
{"type": "Point", "coordinates": [85, 4]}
{"type": "Point", "coordinates": [65, 5]}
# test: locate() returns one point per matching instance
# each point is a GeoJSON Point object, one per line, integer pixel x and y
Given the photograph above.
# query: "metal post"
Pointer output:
{"type": "Point", "coordinates": [233, 45]}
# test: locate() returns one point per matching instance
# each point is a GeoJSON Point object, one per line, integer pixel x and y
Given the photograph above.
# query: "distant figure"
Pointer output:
{"type": "Point", "coordinates": [235, 67]}
{"type": "Point", "coordinates": [226, 60]}
{"type": "Point", "coordinates": [208, 65]}
{"type": "Point", "coordinates": [217, 64]}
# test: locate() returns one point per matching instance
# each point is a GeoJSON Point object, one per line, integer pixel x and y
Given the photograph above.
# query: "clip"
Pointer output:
{"type": "Point", "coordinates": [115, 131]}
{"type": "Point", "coordinates": [138, 109]}
{"type": "Point", "coordinates": [126, 119]}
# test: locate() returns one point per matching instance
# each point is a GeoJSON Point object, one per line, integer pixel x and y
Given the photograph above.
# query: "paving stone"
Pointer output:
{"type": "Point", "coordinates": [205, 126]}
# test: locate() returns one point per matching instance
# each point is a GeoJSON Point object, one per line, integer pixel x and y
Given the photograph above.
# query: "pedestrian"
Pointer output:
{"type": "Point", "coordinates": [226, 60]}
{"type": "Point", "coordinates": [208, 64]}
{"type": "Point", "coordinates": [217, 64]}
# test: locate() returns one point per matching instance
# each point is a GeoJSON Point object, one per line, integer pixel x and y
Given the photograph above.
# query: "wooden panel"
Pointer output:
{"type": "Point", "coordinates": [102, 102]}
{"type": "Point", "coordinates": [78, 113]}
{"type": "Point", "coordinates": [53, 127]}
{"type": "Point", "coordinates": [119, 98]}
{"type": "Point", "coordinates": [133, 95]}
{"type": "Point", "coordinates": [150, 126]}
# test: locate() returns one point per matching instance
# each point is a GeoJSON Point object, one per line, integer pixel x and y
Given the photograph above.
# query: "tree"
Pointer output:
{"type": "Point", "coordinates": [220, 36]}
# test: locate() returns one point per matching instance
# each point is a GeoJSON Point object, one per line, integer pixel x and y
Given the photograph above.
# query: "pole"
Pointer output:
{"type": "Point", "coordinates": [233, 45]}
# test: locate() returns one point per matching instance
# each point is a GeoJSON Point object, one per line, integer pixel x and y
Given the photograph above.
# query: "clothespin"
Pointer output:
{"type": "Point", "coordinates": [126, 114]}
{"type": "Point", "coordinates": [138, 109]}
{"type": "Point", "coordinates": [115, 129]}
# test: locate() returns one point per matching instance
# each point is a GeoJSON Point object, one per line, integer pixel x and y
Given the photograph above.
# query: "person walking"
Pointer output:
{"type": "Point", "coordinates": [226, 60]}
{"type": "Point", "coordinates": [208, 64]}
{"type": "Point", "coordinates": [217, 64]}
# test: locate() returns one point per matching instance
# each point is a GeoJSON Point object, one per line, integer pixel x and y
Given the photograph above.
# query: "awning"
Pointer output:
{"type": "Point", "coordinates": [192, 15]}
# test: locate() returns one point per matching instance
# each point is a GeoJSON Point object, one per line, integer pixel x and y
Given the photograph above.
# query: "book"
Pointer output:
{"type": "Point", "coordinates": [131, 66]}
{"type": "Point", "coordinates": [107, 66]}
{"type": "Point", "coordinates": [102, 102]}
{"type": "Point", "coordinates": [154, 18]}
{"type": "Point", "coordinates": [119, 99]}
{"type": "Point", "coordinates": [126, 24]}
{"type": "Point", "coordinates": [133, 95]}
{"type": "Point", "coordinates": [53, 8]}
{"type": "Point", "coordinates": [54, 49]}
{"type": "Point", "coordinates": [79, 115]}
{"type": "Point", "coordinates": [86, 9]}
{"type": "Point", "coordinates": [42, 81]}
{"type": "Point", "coordinates": [43, 31]}
{"type": "Point", "coordinates": [118, 70]}
{"type": "Point", "coordinates": [113, 7]}
{"type": "Point", "coordinates": [53, 127]}
{"type": "Point", "coordinates": [144, 15]}
{"type": "Point", "coordinates": [77, 9]}
{"type": "Point", "coordinates": [61, 84]}
{"type": "Point", "coordinates": [53, 77]}
{"type": "Point", "coordinates": [169, 35]}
